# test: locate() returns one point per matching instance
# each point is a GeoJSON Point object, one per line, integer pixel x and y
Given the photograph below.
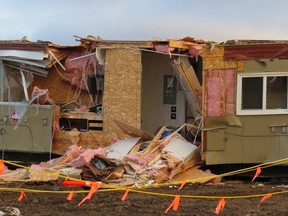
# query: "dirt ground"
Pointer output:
{"type": "Point", "coordinates": [109, 203]}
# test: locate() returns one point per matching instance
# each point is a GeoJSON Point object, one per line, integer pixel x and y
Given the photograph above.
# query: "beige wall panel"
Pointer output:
{"type": "Point", "coordinates": [260, 149]}
{"type": "Point", "coordinates": [260, 125]}
{"type": "Point", "coordinates": [283, 147]}
{"type": "Point", "coordinates": [122, 87]}
{"type": "Point", "coordinates": [216, 140]}
{"type": "Point", "coordinates": [232, 153]}
{"type": "Point", "coordinates": [259, 142]}
{"type": "Point", "coordinates": [267, 65]}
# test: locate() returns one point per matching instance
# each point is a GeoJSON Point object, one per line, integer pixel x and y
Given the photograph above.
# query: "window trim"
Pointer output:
{"type": "Point", "coordinates": [262, 111]}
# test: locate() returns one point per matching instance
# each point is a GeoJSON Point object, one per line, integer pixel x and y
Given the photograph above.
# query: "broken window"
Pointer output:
{"type": "Point", "coordinates": [16, 86]}
{"type": "Point", "coordinates": [262, 93]}
{"type": "Point", "coordinates": [252, 93]}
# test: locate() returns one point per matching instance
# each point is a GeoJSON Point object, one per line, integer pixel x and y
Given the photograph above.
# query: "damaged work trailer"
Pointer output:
{"type": "Point", "coordinates": [245, 102]}
{"type": "Point", "coordinates": [232, 96]}
{"type": "Point", "coordinates": [55, 96]}
{"type": "Point", "coordinates": [26, 123]}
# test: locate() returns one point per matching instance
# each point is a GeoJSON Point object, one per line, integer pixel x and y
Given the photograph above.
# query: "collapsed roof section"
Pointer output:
{"type": "Point", "coordinates": [21, 60]}
{"type": "Point", "coordinates": [33, 57]}
{"type": "Point", "coordinates": [187, 45]}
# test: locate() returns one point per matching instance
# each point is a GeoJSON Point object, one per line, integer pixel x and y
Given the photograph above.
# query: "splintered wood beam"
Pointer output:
{"type": "Point", "coordinates": [134, 132]}
{"type": "Point", "coordinates": [181, 44]}
{"type": "Point", "coordinates": [154, 144]}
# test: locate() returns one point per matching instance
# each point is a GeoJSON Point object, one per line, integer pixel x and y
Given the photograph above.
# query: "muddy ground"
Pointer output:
{"type": "Point", "coordinates": [109, 203]}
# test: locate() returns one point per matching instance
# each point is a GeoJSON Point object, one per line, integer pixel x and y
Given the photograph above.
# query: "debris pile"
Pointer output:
{"type": "Point", "coordinates": [168, 157]}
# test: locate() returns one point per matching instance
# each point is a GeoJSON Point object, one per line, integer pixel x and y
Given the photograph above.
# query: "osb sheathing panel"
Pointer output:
{"type": "Point", "coordinates": [60, 92]}
{"type": "Point", "coordinates": [213, 59]}
{"type": "Point", "coordinates": [92, 139]}
{"type": "Point", "coordinates": [122, 88]}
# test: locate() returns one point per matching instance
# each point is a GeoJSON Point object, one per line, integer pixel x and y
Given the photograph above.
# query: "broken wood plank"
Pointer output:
{"type": "Point", "coordinates": [154, 143]}
{"type": "Point", "coordinates": [117, 173]}
{"type": "Point", "coordinates": [181, 44]}
{"type": "Point", "coordinates": [164, 175]}
{"type": "Point", "coordinates": [189, 72]}
{"type": "Point", "coordinates": [194, 174]}
{"type": "Point", "coordinates": [182, 167]}
{"type": "Point", "coordinates": [191, 85]}
{"type": "Point", "coordinates": [82, 115]}
{"type": "Point", "coordinates": [134, 132]}
{"type": "Point", "coordinates": [170, 160]}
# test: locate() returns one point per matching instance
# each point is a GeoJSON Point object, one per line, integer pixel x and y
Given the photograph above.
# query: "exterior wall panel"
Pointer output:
{"type": "Point", "coordinates": [122, 88]}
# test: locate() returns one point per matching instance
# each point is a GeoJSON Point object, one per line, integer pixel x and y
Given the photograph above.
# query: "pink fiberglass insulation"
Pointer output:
{"type": "Point", "coordinates": [153, 173]}
{"type": "Point", "coordinates": [77, 70]}
{"type": "Point", "coordinates": [195, 50]}
{"type": "Point", "coordinates": [82, 108]}
{"type": "Point", "coordinates": [163, 48]}
{"type": "Point", "coordinates": [136, 158]}
{"type": "Point", "coordinates": [139, 159]}
{"type": "Point", "coordinates": [215, 93]}
{"type": "Point", "coordinates": [41, 99]}
{"type": "Point", "coordinates": [87, 156]}
{"type": "Point", "coordinates": [220, 92]}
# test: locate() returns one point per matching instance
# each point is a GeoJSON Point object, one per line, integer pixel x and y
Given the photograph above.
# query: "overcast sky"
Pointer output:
{"type": "Point", "coordinates": [217, 20]}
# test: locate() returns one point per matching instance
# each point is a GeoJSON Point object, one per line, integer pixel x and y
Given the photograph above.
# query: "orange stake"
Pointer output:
{"type": "Point", "coordinates": [94, 187]}
{"type": "Point", "coordinates": [70, 196]}
{"type": "Point", "coordinates": [2, 167]}
{"type": "Point", "coordinates": [125, 195]}
{"type": "Point", "coordinates": [267, 196]}
{"type": "Point", "coordinates": [22, 195]}
{"type": "Point", "coordinates": [174, 204]}
{"type": "Point", "coordinates": [182, 185]}
{"type": "Point", "coordinates": [220, 205]}
{"type": "Point", "coordinates": [258, 171]}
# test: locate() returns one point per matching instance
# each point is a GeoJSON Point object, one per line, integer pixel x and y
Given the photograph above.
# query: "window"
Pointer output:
{"type": "Point", "coordinates": [262, 93]}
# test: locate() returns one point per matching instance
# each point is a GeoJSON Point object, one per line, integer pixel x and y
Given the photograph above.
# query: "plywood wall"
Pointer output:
{"type": "Point", "coordinates": [213, 59]}
{"type": "Point", "coordinates": [122, 88]}
{"type": "Point", "coordinates": [60, 92]}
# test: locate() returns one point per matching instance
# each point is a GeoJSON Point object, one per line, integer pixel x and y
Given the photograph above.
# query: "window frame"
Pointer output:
{"type": "Point", "coordinates": [263, 111]}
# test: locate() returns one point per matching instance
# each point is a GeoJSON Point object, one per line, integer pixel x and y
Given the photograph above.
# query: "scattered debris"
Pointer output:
{"type": "Point", "coordinates": [126, 163]}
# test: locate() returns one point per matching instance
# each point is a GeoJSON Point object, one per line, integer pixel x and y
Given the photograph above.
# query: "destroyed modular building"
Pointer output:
{"type": "Point", "coordinates": [231, 97]}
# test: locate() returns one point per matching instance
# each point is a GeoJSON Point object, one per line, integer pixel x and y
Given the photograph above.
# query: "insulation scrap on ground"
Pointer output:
{"type": "Point", "coordinates": [168, 157]}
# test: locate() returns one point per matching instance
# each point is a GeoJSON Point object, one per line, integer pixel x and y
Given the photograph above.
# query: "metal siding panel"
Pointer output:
{"type": "Point", "coordinates": [216, 139]}
{"type": "Point", "coordinates": [266, 65]}
{"type": "Point", "coordinates": [260, 149]}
